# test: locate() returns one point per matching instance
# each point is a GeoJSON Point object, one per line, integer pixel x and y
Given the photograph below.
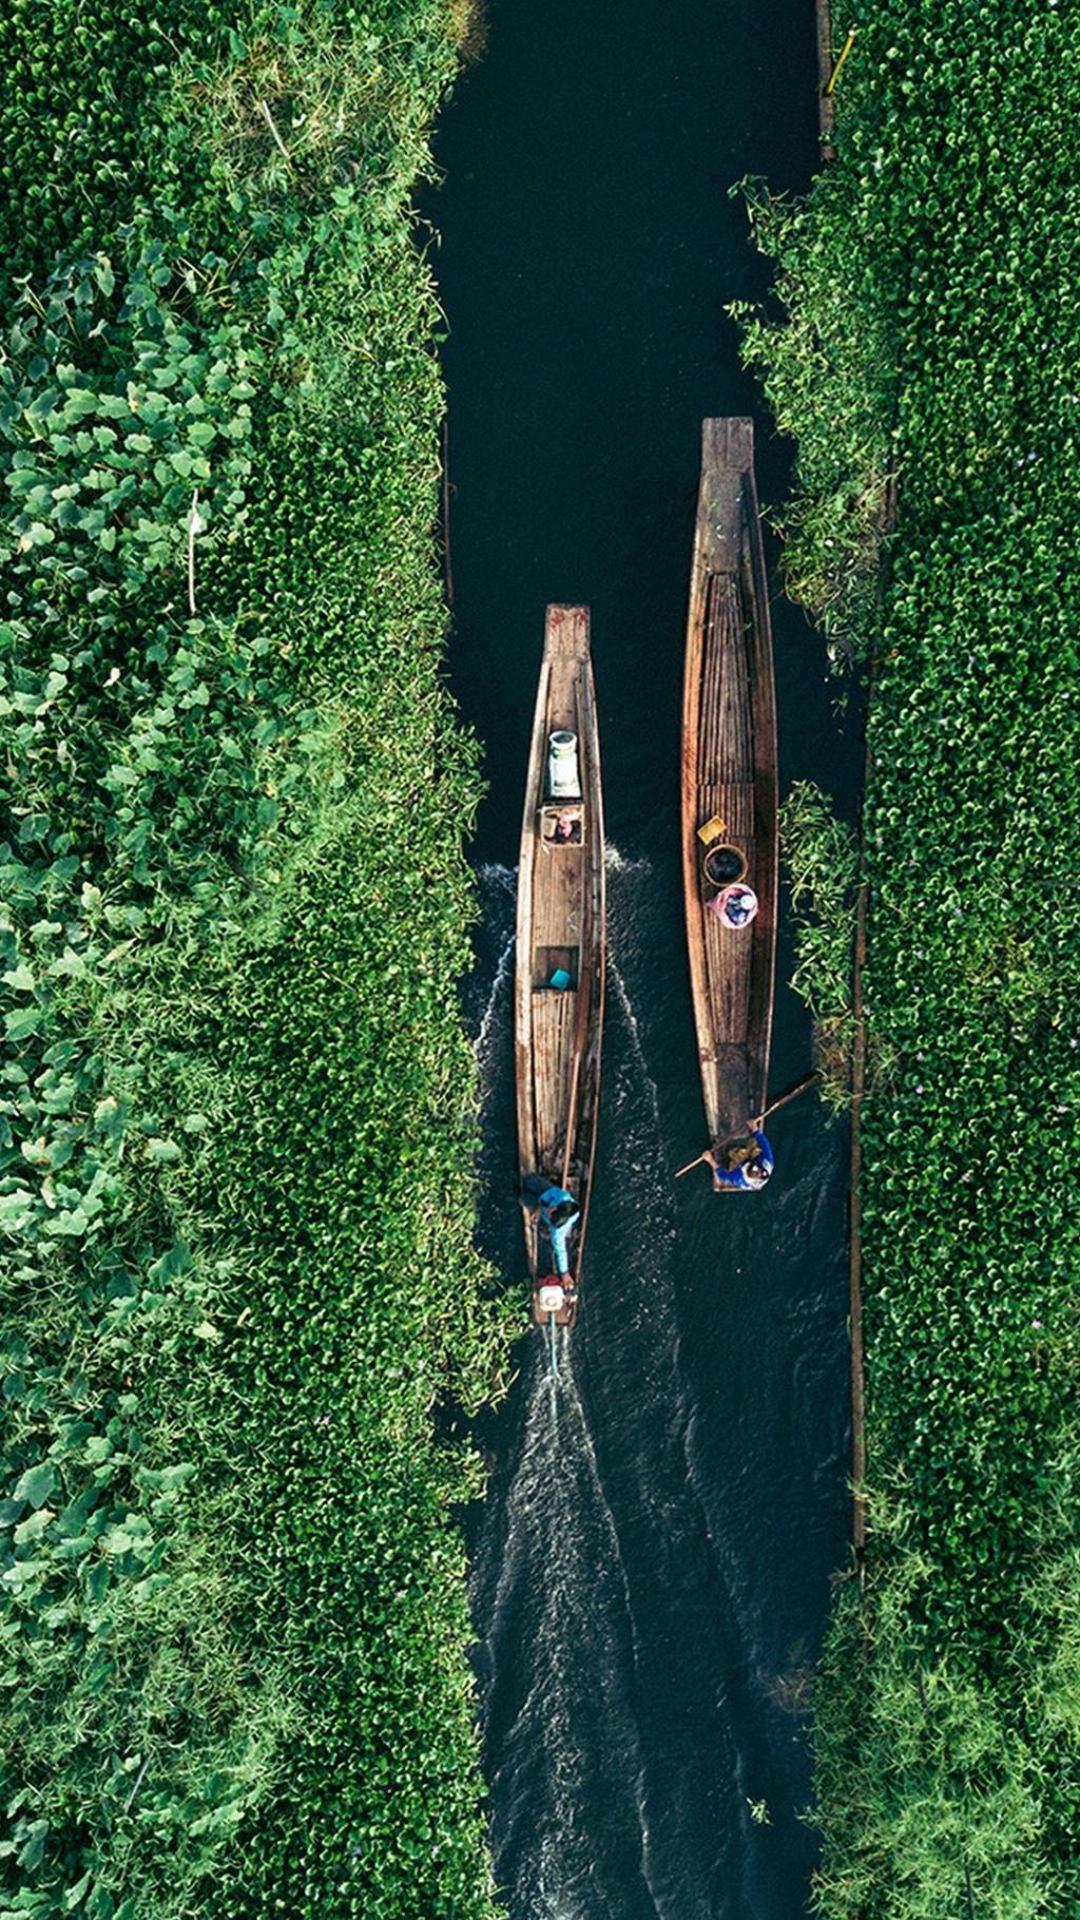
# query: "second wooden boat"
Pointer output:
{"type": "Point", "coordinates": [559, 989]}
{"type": "Point", "coordinates": [729, 784]}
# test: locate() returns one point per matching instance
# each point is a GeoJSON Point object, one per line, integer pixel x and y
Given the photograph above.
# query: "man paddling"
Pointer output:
{"type": "Point", "coordinates": [758, 1163]}
{"type": "Point", "coordinates": [752, 1173]}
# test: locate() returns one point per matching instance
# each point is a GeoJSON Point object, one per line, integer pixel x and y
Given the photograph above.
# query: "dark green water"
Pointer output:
{"type": "Point", "coordinates": [651, 1571]}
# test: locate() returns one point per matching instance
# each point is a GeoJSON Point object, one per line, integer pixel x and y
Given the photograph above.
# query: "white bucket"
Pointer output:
{"type": "Point", "coordinates": [564, 780]}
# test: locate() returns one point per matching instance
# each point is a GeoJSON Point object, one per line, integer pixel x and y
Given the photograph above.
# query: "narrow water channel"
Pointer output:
{"type": "Point", "coordinates": [651, 1569]}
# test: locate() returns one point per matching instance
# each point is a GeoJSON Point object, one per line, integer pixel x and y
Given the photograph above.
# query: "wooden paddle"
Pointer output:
{"type": "Point", "coordinates": [790, 1095]}
{"type": "Point", "coordinates": [693, 1163]}
{"type": "Point", "coordinates": [776, 1105]}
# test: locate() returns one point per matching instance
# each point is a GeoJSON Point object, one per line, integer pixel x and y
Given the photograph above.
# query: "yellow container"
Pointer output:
{"type": "Point", "coordinates": [711, 830]}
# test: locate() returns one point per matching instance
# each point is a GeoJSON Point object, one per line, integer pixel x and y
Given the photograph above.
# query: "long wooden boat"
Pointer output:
{"type": "Point", "coordinates": [729, 783]}
{"type": "Point", "coordinates": [559, 988]}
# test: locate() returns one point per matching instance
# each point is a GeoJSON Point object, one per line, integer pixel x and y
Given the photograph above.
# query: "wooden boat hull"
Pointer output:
{"type": "Point", "coordinates": [559, 976]}
{"type": "Point", "coordinates": [729, 774]}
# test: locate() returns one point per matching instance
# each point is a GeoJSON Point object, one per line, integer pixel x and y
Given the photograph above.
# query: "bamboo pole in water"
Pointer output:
{"type": "Point", "coordinates": [858, 1397]}
{"type": "Point", "coordinates": [447, 566]}
{"type": "Point", "coordinates": [826, 107]}
{"type": "Point", "coordinates": [858, 1090]}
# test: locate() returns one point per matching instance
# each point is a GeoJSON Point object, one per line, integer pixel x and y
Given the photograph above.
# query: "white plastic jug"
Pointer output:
{"type": "Point", "coordinates": [564, 780]}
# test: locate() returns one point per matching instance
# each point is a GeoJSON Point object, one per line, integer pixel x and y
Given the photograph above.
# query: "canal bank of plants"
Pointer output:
{"type": "Point", "coordinates": [238, 1110]}
{"type": "Point", "coordinates": [926, 367]}
{"type": "Point", "coordinates": [822, 857]}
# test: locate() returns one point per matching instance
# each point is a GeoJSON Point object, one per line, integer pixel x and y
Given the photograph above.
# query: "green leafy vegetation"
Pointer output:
{"type": "Point", "coordinates": [823, 863]}
{"type": "Point", "coordinates": [238, 1109]}
{"type": "Point", "coordinates": [927, 370]}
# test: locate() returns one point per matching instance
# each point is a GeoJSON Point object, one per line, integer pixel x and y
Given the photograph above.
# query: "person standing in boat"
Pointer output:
{"type": "Point", "coordinates": [558, 1210]}
{"type": "Point", "coordinates": [753, 1173]}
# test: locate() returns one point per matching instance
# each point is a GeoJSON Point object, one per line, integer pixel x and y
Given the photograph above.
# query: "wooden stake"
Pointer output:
{"type": "Point", "coordinates": [830, 85]}
{"type": "Point", "coordinates": [447, 563]}
{"type": "Point", "coordinates": [826, 103]}
{"type": "Point", "coordinates": [139, 1778]}
{"type": "Point", "coordinates": [858, 1393]}
{"type": "Point", "coordinates": [192, 527]}
{"type": "Point", "coordinates": [278, 141]}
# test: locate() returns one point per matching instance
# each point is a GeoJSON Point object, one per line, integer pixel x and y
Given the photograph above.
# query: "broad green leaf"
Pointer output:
{"type": "Point", "coordinates": [36, 1484]}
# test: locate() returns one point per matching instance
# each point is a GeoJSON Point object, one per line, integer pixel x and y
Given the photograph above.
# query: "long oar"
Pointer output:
{"type": "Point", "coordinates": [792, 1093]}
{"type": "Point", "coordinates": [693, 1163]}
{"type": "Point", "coordinates": [571, 1118]}
{"type": "Point", "coordinates": [581, 1029]}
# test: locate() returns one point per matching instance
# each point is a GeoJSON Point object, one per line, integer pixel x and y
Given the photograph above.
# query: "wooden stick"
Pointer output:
{"type": "Point", "coordinates": [858, 1395]}
{"type": "Point", "coordinates": [825, 63]}
{"type": "Point", "coordinates": [581, 1028]}
{"type": "Point", "coordinates": [791, 1095]}
{"type": "Point", "coordinates": [693, 1163]}
{"type": "Point", "coordinates": [571, 1118]}
{"type": "Point", "coordinates": [139, 1778]}
{"type": "Point", "coordinates": [447, 563]}
{"type": "Point", "coordinates": [830, 85]}
{"type": "Point", "coordinates": [278, 141]}
{"type": "Point", "coordinates": [192, 528]}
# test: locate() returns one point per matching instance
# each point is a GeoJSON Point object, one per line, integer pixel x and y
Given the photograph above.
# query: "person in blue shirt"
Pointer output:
{"type": "Point", "coordinates": [753, 1174]}
{"type": "Point", "coordinates": [559, 1211]}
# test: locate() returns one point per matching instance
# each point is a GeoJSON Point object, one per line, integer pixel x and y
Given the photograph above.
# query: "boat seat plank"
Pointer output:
{"type": "Point", "coordinates": [554, 1024]}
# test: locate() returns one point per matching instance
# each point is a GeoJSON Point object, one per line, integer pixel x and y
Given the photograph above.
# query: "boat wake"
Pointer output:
{"type": "Point", "coordinates": [493, 943]}
{"type": "Point", "coordinates": [646, 1080]}
{"type": "Point", "coordinates": [569, 1651]}
{"type": "Point", "coordinates": [627, 1685]}
{"type": "Point", "coordinates": [557, 1651]}
{"type": "Point", "coordinates": [488, 1032]}
{"type": "Point", "coordinates": [615, 861]}
{"type": "Point", "coordinates": [493, 877]}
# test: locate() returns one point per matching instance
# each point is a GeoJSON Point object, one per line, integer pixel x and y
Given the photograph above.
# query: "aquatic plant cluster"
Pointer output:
{"type": "Point", "coordinates": [822, 858]}
{"type": "Point", "coordinates": [238, 1110]}
{"type": "Point", "coordinates": [927, 368]}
